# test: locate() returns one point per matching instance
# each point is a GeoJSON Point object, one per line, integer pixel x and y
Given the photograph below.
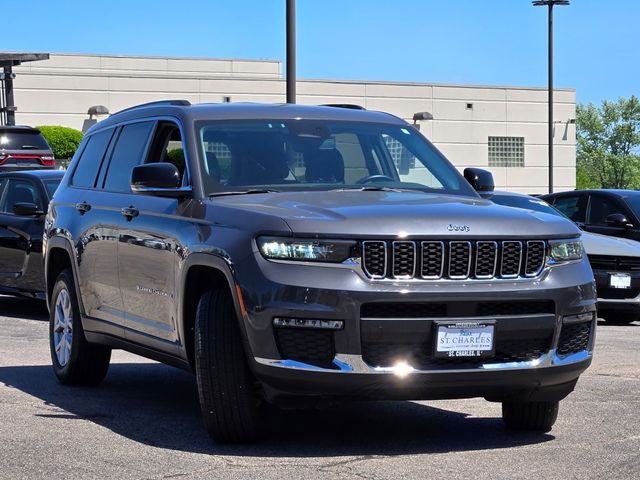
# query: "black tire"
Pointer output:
{"type": "Point", "coordinates": [87, 363]}
{"type": "Point", "coordinates": [530, 416]}
{"type": "Point", "coordinates": [232, 408]}
{"type": "Point", "coordinates": [613, 317]}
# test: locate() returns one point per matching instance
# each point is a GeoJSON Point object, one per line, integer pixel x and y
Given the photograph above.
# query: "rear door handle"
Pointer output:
{"type": "Point", "coordinates": [83, 207]}
{"type": "Point", "coordinates": [130, 212]}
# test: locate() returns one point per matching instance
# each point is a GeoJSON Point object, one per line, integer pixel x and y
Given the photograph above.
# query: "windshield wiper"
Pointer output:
{"type": "Point", "coordinates": [243, 192]}
{"type": "Point", "coordinates": [372, 188]}
{"type": "Point", "coordinates": [30, 147]}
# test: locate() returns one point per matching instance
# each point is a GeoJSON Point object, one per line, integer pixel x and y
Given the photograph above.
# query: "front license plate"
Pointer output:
{"type": "Point", "coordinates": [464, 339]}
{"type": "Point", "coordinates": [620, 280]}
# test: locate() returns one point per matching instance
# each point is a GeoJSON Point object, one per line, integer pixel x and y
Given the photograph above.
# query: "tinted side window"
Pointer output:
{"type": "Point", "coordinates": [601, 207]}
{"type": "Point", "coordinates": [573, 207]}
{"type": "Point", "coordinates": [20, 191]}
{"type": "Point", "coordinates": [91, 158]}
{"type": "Point", "coordinates": [127, 153]}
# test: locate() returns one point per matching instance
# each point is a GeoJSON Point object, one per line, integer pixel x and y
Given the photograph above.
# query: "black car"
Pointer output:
{"type": "Point", "coordinates": [615, 263]}
{"type": "Point", "coordinates": [24, 148]}
{"type": "Point", "coordinates": [298, 255]}
{"type": "Point", "coordinates": [609, 212]}
{"type": "Point", "coordinates": [24, 198]}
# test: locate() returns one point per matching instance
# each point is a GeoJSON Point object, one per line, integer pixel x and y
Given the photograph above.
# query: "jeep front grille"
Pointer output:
{"type": "Point", "coordinates": [455, 260]}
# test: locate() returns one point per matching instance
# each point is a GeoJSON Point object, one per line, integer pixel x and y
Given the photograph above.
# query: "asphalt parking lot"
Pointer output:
{"type": "Point", "coordinates": [143, 422]}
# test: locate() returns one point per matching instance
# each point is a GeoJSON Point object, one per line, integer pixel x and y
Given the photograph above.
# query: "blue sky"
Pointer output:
{"type": "Point", "coordinates": [457, 41]}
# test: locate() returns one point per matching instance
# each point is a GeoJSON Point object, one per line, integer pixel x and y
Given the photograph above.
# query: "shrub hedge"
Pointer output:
{"type": "Point", "coordinates": [64, 141]}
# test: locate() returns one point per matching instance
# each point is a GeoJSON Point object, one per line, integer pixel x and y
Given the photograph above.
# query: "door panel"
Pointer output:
{"type": "Point", "coordinates": [146, 261]}
{"type": "Point", "coordinates": [21, 238]}
{"type": "Point", "coordinates": [97, 250]}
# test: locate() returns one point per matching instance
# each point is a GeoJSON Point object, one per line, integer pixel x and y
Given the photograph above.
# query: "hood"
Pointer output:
{"type": "Point", "coordinates": [355, 213]}
{"type": "Point", "coordinates": [596, 244]}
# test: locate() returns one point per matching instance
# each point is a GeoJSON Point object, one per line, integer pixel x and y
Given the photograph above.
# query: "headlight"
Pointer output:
{"type": "Point", "coordinates": [565, 250]}
{"type": "Point", "coordinates": [316, 250]}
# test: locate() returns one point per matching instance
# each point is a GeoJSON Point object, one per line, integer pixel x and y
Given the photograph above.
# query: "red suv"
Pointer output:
{"type": "Point", "coordinates": [24, 148]}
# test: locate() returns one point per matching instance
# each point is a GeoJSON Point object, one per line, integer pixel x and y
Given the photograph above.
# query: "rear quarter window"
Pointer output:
{"type": "Point", "coordinates": [91, 158]}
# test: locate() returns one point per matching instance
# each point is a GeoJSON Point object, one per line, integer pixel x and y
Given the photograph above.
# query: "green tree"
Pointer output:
{"type": "Point", "coordinates": [63, 141]}
{"type": "Point", "coordinates": [608, 150]}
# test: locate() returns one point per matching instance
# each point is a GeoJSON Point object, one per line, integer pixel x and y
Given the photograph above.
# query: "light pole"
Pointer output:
{"type": "Point", "coordinates": [291, 51]}
{"type": "Point", "coordinates": [550, 4]}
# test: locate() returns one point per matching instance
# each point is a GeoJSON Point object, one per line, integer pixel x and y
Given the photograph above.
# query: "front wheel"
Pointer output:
{"type": "Point", "coordinates": [530, 416]}
{"type": "Point", "coordinates": [75, 361]}
{"type": "Point", "coordinates": [232, 408]}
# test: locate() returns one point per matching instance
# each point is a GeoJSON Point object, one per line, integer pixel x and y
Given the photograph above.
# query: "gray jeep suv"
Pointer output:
{"type": "Point", "coordinates": [294, 255]}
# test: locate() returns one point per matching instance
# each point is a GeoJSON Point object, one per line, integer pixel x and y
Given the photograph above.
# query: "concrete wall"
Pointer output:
{"type": "Point", "coordinates": [60, 91]}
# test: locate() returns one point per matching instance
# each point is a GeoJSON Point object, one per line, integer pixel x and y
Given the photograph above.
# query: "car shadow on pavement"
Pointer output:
{"type": "Point", "coordinates": [23, 308]}
{"type": "Point", "coordinates": [157, 405]}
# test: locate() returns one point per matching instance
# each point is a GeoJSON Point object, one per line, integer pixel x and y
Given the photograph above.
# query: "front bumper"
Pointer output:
{"type": "Point", "coordinates": [618, 298]}
{"type": "Point", "coordinates": [547, 378]}
{"type": "Point", "coordinates": [331, 293]}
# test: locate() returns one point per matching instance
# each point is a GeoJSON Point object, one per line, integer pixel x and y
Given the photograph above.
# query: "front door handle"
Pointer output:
{"type": "Point", "coordinates": [130, 212]}
{"type": "Point", "coordinates": [83, 207]}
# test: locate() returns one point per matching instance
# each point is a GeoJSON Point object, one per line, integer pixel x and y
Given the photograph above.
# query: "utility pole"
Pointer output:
{"type": "Point", "coordinates": [291, 51]}
{"type": "Point", "coordinates": [550, 4]}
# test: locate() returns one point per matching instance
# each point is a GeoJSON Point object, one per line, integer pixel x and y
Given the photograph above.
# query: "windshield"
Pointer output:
{"type": "Point", "coordinates": [286, 155]}
{"type": "Point", "coordinates": [22, 140]}
{"type": "Point", "coordinates": [529, 203]}
{"type": "Point", "coordinates": [634, 202]}
{"type": "Point", "coordinates": [51, 186]}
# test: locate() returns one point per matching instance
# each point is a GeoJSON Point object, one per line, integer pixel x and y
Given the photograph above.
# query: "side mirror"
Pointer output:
{"type": "Point", "coordinates": [158, 179]}
{"type": "Point", "coordinates": [481, 180]}
{"type": "Point", "coordinates": [26, 209]}
{"type": "Point", "coordinates": [618, 220]}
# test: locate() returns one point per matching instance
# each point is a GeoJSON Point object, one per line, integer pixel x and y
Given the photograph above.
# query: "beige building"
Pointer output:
{"type": "Point", "coordinates": [501, 128]}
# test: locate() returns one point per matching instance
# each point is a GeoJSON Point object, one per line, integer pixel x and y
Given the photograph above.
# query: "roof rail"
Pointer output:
{"type": "Point", "coordinates": [351, 106]}
{"type": "Point", "coordinates": [179, 103]}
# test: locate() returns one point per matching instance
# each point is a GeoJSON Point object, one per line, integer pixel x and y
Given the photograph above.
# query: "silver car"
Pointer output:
{"type": "Point", "coordinates": [615, 263]}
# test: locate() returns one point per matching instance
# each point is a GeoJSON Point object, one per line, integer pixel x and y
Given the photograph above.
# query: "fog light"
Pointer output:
{"type": "Point", "coordinates": [402, 369]}
{"type": "Point", "coordinates": [308, 323]}
{"type": "Point", "coordinates": [579, 318]}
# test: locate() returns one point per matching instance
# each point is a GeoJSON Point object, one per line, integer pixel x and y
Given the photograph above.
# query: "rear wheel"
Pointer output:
{"type": "Point", "coordinates": [531, 416]}
{"type": "Point", "coordinates": [75, 361]}
{"type": "Point", "coordinates": [232, 408]}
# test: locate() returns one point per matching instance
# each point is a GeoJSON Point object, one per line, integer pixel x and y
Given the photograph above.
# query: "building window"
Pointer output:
{"type": "Point", "coordinates": [402, 157]}
{"type": "Point", "coordinates": [506, 151]}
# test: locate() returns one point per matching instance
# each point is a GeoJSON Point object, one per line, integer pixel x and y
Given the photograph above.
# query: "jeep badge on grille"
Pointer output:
{"type": "Point", "coordinates": [458, 228]}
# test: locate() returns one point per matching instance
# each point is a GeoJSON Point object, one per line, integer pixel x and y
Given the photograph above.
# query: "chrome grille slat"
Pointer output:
{"type": "Point", "coordinates": [459, 260]}
{"type": "Point", "coordinates": [476, 259]}
{"type": "Point", "coordinates": [432, 260]}
{"type": "Point", "coordinates": [511, 259]}
{"type": "Point", "coordinates": [403, 259]}
{"type": "Point", "coordinates": [374, 259]}
{"type": "Point", "coordinates": [536, 253]}
{"type": "Point", "coordinates": [486, 259]}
